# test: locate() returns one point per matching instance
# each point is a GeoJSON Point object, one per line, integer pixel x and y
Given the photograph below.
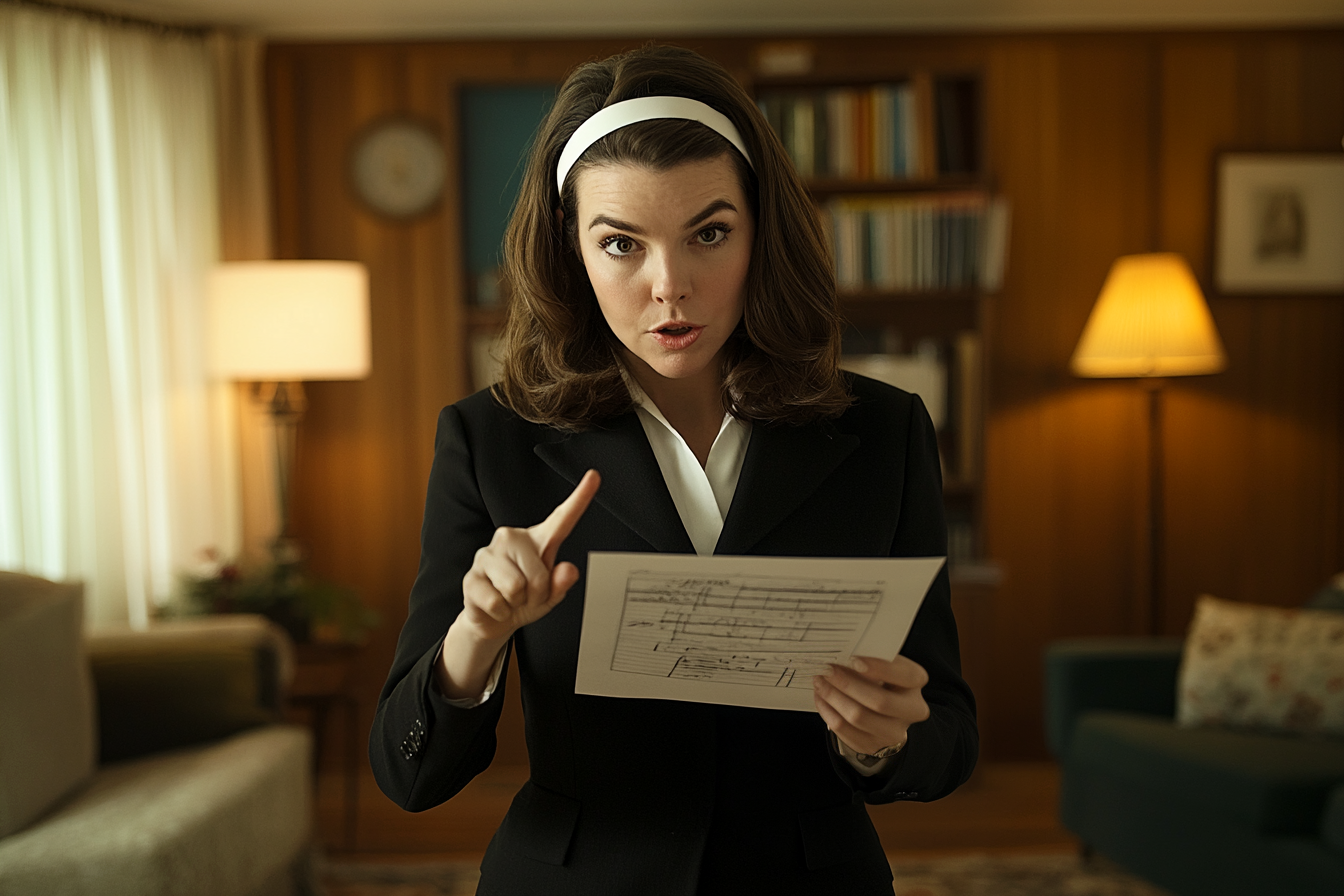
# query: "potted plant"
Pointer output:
{"type": "Point", "coordinates": [307, 608]}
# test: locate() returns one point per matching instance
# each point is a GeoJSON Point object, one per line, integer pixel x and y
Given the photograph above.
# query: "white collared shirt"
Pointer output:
{"type": "Point", "coordinates": [702, 495]}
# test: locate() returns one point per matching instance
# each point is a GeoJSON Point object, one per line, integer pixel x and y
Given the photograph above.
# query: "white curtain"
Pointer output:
{"type": "Point", "coordinates": [115, 451]}
{"type": "Point", "coordinates": [245, 235]}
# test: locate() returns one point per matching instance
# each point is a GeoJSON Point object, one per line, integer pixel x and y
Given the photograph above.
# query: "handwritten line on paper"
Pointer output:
{"type": "Point", "coordinates": [744, 631]}
{"type": "Point", "coordinates": [751, 630]}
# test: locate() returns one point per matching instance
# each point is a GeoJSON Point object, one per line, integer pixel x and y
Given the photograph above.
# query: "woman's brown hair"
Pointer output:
{"type": "Point", "coordinates": [560, 357]}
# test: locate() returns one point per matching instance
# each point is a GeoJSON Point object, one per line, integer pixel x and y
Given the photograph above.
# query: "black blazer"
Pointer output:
{"type": "Point", "coordinates": [655, 796]}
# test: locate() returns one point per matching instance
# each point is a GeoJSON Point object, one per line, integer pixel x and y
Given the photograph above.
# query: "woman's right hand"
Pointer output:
{"type": "Point", "coordinates": [515, 580]}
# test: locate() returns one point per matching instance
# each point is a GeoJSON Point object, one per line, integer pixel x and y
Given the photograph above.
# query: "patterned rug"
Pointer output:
{"type": "Point", "coordinates": [970, 875]}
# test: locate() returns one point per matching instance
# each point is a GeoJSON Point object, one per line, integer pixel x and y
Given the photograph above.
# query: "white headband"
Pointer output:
{"type": "Point", "coordinates": [646, 108]}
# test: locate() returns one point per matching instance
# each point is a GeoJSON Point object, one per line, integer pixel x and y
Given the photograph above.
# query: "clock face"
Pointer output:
{"type": "Point", "coordinates": [398, 168]}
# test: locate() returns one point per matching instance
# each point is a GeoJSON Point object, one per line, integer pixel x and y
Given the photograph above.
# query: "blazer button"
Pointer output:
{"type": "Point", "coordinates": [414, 741]}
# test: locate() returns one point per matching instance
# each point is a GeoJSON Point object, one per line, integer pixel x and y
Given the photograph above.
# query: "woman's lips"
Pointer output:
{"type": "Point", "coordinates": [676, 338]}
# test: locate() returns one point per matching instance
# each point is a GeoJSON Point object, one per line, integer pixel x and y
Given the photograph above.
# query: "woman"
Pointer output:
{"type": "Point", "coordinates": [670, 384]}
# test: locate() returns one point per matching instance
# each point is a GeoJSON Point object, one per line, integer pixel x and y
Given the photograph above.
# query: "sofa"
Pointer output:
{"type": "Point", "coordinates": [1199, 811]}
{"type": "Point", "coordinates": [146, 763]}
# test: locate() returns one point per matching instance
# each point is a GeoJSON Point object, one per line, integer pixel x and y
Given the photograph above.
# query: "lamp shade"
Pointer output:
{"type": "Point", "coordinates": [1150, 320]}
{"type": "Point", "coordinates": [289, 320]}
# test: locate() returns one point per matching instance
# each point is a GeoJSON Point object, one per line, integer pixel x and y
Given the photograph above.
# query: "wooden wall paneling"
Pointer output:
{"type": "Point", "coordinates": [1022, 117]}
{"type": "Point", "coordinates": [372, 544]}
{"type": "Point", "coordinates": [1254, 455]}
{"type": "Point", "coordinates": [1253, 495]}
{"type": "Point", "coordinates": [441, 363]}
{"type": "Point", "coordinates": [1323, 90]}
{"type": "Point", "coordinates": [1198, 115]}
{"type": "Point", "coordinates": [1199, 81]}
{"type": "Point", "coordinates": [364, 449]}
{"type": "Point", "coordinates": [1069, 119]}
{"type": "Point", "coordinates": [283, 101]}
{"type": "Point", "coordinates": [1269, 79]}
{"type": "Point", "coordinates": [1107, 176]}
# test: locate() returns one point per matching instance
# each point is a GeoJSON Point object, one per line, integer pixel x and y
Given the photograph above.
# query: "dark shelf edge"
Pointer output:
{"type": "Point", "coordinates": [878, 296]}
{"type": "Point", "coordinates": [943, 183]}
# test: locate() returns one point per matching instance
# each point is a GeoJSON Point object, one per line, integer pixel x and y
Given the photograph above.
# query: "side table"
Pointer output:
{"type": "Point", "coordinates": [323, 679]}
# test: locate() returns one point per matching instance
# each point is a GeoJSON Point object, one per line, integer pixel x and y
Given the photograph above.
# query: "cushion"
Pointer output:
{"type": "Point", "coordinates": [1263, 667]}
{"type": "Point", "coordinates": [1271, 783]}
{"type": "Point", "coordinates": [48, 741]}
{"type": "Point", "coordinates": [208, 821]}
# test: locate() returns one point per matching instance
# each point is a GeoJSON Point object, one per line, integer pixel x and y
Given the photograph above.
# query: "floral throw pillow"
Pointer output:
{"type": "Point", "coordinates": [1246, 665]}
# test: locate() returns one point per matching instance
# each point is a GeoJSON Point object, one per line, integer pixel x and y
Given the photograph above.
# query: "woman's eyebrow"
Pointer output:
{"type": "Point", "coordinates": [717, 205]}
{"type": "Point", "coordinates": [615, 224]}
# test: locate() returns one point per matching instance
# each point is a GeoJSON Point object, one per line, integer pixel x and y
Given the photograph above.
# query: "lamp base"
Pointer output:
{"type": "Point", "coordinates": [285, 402]}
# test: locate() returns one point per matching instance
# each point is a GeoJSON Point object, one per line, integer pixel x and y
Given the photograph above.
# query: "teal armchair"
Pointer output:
{"type": "Point", "coordinates": [1197, 811]}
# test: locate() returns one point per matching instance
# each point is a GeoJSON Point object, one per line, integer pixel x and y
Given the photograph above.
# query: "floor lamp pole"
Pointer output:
{"type": "Point", "coordinates": [286, 405]}
{"type": "Point", "coordinates": [1156, 508]}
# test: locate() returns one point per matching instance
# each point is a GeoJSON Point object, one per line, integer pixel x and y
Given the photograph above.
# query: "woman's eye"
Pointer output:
{"type": "Point", "coordinates": [619, 245]}
{"type": "Point", "coordinates": [710, 235]}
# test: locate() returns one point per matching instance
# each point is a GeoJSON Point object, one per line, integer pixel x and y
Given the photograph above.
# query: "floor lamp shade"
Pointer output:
{"type": "Point", "coordinates": [1150, 320]}
{"type": "Point", "coordinates": [289, 321]}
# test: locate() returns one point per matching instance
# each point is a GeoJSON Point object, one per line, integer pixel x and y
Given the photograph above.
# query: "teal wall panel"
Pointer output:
{"type": "Point", "coordinates": [498, 124]}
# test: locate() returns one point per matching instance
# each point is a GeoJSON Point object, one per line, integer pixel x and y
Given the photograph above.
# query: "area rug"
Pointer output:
{"type": "Point", "coordinates": [968, 875]}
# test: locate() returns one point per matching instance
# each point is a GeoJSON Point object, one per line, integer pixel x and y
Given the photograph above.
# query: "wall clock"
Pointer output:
{"type": "Point", "coordinates": [398, 167]}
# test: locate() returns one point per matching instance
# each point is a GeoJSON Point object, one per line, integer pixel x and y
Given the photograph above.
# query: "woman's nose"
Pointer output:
{"type": "Point", "coordinates": [670, 280]}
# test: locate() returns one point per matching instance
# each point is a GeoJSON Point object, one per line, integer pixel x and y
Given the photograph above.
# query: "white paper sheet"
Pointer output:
{"type": "Point", "coordinates": [745, 631]}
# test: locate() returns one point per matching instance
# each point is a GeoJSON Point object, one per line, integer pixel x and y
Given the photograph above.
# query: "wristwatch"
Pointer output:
{"type": "Point", "coordinates": [868, 760]}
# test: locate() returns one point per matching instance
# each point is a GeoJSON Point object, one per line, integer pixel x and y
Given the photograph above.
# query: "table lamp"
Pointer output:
{"type": "Point", "coordinates": [277, 323]}
{"type": "Point", "coordinates": [1150, 322]}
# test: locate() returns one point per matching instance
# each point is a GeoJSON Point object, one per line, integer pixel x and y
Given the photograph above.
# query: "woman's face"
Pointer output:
{"type": "Point", "coordinates": [667, 253]}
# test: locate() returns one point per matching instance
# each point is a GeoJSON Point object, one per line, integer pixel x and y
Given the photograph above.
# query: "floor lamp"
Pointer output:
{"type": "Point", "coordinates": [277, 323]}
{"type": "Point", "coordinates": [1150, 322]}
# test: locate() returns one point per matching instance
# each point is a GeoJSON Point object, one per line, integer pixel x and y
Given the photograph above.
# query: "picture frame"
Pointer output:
{"type": "Point", "coordinates": [1280, 223]}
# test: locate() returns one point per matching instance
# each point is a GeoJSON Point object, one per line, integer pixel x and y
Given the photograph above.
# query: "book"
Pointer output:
{"type": "Point", "coordinates": [926, 162]}
{"type": "Point", "coordinates": [863, 135]}
{"type": "Point", "coordinates": [802, 137]}
{"type": "Point", "coordinates": [840, 132]}
{"type": "Point", "coordinates": [993, 243]}
{"type": "Point", "coordinates": [970, 386]}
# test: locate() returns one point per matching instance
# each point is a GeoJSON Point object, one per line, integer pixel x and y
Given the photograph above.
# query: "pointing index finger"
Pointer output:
{"type": "Point", "coordinates": [551, 532]}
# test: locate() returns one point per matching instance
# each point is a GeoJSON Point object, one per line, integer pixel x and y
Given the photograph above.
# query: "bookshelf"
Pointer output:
{"type": "Point", "coordinates": [895, 164]}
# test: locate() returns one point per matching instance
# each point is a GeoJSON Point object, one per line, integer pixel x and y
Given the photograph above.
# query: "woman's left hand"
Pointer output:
{"type": "Point", "coordinates": [871, 703]}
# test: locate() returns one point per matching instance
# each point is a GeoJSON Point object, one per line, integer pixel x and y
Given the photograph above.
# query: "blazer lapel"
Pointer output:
{"type": "Point", "coordinates": [632, 488]}
{"type": "Point", "coordinates": [784, 465]}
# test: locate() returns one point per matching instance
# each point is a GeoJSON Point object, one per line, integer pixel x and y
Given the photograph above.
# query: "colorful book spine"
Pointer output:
{"type": "Point", "coordinates": [915, 129]}
{"type": "Point", "coordinates": [840, 127]}
{"type": "Point", "coordinates": [949, 242]}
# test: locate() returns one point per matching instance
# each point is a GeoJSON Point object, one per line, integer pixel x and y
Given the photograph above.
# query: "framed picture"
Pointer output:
{"type": "Point", "coordinates": [1280, 223]}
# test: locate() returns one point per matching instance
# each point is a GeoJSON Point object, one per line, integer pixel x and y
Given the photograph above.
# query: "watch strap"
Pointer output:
{"type": "Point", "coordinates": [868, 760]}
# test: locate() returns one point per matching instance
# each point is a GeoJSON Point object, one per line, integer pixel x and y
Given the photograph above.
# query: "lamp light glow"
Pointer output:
{"type": "Point", "coordinates": [277, 321]}
{"type": "Point", "coordinates": [1150, 320]}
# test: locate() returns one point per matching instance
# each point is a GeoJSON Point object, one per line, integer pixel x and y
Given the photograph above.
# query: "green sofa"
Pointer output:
{"type": "Point", "coordinates": [146, 763]}
{"type": "Point", "coordinates": [1197, 811]}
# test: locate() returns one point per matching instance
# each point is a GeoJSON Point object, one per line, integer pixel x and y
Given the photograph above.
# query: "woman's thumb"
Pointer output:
{"type": "Point", "coordinates": [563, 577]}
